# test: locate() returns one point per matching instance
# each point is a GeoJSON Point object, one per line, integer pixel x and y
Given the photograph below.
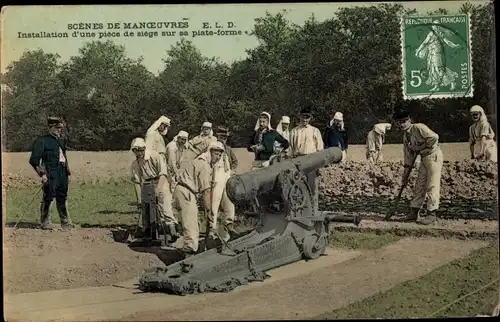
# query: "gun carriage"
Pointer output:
{"type": "Point", "coordinates": [282, 237]}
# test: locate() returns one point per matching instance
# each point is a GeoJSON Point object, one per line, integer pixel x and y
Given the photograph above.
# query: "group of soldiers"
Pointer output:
{"type": "Point", "coordinates": [185, 169]}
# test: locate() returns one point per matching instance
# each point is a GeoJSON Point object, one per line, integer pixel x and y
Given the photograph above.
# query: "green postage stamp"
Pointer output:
{"type": "Point", "coordinates": [436, 56]}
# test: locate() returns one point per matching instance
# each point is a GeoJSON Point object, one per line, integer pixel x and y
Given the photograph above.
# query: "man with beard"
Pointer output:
{"type": "Point", "coordinates": [418, 139]}
{"type": "Point", "coordinates": [48, 158]}
{"type": "Point", "coordinates": [335, 134]}
{"type": "Point", "coordinates": [481, 136]}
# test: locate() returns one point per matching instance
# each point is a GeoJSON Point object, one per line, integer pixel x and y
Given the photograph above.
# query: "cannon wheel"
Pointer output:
{"type": "Point", "coordinates": [314, 246]}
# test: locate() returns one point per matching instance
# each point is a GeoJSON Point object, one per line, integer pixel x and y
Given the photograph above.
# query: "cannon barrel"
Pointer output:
{"type": "Point", "coordinates": [246, 186]}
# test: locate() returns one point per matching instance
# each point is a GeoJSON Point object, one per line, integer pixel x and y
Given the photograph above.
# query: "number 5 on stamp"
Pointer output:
{"type": "Point", "coordinates": [436, 56]}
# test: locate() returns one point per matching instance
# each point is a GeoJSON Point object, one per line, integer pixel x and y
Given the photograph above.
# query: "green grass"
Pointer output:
{"type": "Point", "coordinates": [95, 205]}
{"type": "Point", "coordinates": [424, 296]}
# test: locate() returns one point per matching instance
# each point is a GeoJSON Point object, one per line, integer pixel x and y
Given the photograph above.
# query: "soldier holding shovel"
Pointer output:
{"type": "Point", "coordinates": [48, 158]}
{"type": "Point", "coordinates": [419, 140]}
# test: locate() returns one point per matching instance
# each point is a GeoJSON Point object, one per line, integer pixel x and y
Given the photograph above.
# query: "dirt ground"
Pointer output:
{"type": "Point", "coordinates": [94, 167]}
{"type": "Point", "coordinates": [36, 260]}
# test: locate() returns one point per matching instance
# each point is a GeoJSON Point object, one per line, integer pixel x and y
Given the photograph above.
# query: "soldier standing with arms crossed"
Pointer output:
{"type": "Point", "coordinates": [54, 172]}
{"type": "Point", "coordinates": [418, 139]}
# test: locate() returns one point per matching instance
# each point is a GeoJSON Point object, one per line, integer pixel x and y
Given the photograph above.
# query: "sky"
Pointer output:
{"type": "Point", "coordinates": [31, 19]}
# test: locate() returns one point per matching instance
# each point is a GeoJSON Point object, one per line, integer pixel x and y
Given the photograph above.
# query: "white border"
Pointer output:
{"type": "Point", "coordinates": [430, 95]}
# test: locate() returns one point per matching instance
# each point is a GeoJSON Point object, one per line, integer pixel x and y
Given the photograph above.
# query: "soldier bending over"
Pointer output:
{"type": "Point", "coordinates": [418, 139]}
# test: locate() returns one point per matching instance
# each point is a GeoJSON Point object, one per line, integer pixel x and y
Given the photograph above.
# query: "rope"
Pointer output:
{"type": "Point", "coordinates": [463, 297]}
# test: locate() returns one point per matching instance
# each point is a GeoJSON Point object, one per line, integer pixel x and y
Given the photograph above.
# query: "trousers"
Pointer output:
{"type": "Point", "coordinates": [428, 182]}
{"type": "Point", "coordinates": [185, 203]}
{"type": "Point", "coordinates": [56, 187]}
{"type": "Point", "coordinates": [490, 151]}
{"type": "Point", "coordinates": [220, 200]}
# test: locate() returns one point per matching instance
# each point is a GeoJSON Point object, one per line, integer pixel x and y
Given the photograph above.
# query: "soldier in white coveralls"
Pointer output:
{"type": "Point", "coordinates": [151, 166]}
{"type": "Point", "coordinates": [375, 140]}
{"type": "Point", "coordinates": [196, 178]}
{"type": "Point", "coordinates": [200, 143]}
{"type": "Point", "coordinates": [481, 136]}
{"type": "Point", "coordinates": [418, 139]}
{"type": "Point", "coordinates": [155, 133]}
{"type": "Point", "coordinates": [220, 201]}
{"type": "Point", "coordinates": [175, 153]}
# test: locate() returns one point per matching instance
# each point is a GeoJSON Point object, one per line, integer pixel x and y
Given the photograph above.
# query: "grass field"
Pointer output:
{"type": "Point", "coordinates": [436, 294]}
{"type": "Point", "coordinates": [101, 195]}
{"type": "Point", "coordinates": [100, 167]}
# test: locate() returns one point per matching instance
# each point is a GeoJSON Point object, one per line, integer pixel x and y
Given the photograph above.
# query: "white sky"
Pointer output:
{"type": "Point", "coordinates": [56, 18]}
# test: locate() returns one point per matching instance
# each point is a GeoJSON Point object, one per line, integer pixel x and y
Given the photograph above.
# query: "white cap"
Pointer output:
{"type": "Point", "coordinates": [476, 109]}
{"type": "Point", "coordinates": [183, 134]}
{"type": "Point", "coordinates": [216, 145]}
{"type": "Point", "coordinates": [138, 143]}
{"type": "Point", "coordinates": [338, 116]}
{"type": "Point", "coordinates": [285, 119]}
{"type": "Point", "coordinates": [207, 124]}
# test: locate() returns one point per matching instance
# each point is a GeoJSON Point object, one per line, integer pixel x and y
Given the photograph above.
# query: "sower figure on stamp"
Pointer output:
{"type": "Point", "coordinates": [263, 140]}
{"type": "Point", "coordinates": [151, 166]}
{"type": "Point", "coordinates": [48, 158]}
{"type": "Point", "coordinates": [195, 179]}
{"type": "Point", "coordinates": [481, 136]}
{"type": "Point", "coordinates": [418, 139]}
{"type": "Point", "coordinates": [220, 201]}
{"type": "Point", "coordinates": [306, 139]}
{"type": "Point", "coordinates": [375, 140]}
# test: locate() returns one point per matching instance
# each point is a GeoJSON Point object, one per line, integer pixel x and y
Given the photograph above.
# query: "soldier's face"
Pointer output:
{"type": "Point", "coordinates": [181, 141]}
{"type": "Point", "coordinates": [263, 122]}
{"type": "Point", "coordinates": [475, 116]}
{"type": "Point", "coordinates": [403, 124]}
{"type": "Point", "coordinates": [305, 119]}
{"type": "Point", "coordinates": [215, 155]}
{"type": "Point", "coordinates": [163, 127]}
{"type": "Point", "coordinates": [222, 138]}
{"type": "Point", "coordinates": [56, 130]}
{"type": "Point", "coordinates": [337, 123]}
{"type": "Point", "coordinates": [205, 130]}
{"type": "Point", "coordinates": [139, 153]}
{"type": "Point", "coordinates": [285, 126]}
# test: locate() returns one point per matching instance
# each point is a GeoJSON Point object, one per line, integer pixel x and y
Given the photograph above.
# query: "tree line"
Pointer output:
{"type": "Point", "coordinates": [350, 63]}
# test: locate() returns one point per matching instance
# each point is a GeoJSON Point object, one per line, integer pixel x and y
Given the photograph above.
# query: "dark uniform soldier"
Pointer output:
{"type": "Point", "coordinates": [50, 149]}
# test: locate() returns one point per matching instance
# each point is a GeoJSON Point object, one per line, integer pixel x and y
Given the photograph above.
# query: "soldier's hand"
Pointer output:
{"type": "Point", "coordinates": [44, 179]}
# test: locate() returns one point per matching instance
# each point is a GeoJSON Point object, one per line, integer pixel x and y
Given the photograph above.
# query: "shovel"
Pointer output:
{"type": "Point", "coordinates": [398, 197]}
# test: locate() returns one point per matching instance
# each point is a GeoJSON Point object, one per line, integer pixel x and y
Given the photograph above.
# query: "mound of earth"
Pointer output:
{"type": "Point", "coordinates": [36, 260]}
{"type": "Point", "coordinates": [459, 180]}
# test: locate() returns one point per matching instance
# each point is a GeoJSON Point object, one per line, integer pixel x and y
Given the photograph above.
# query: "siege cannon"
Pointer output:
{"type": "Point", "coordinates": [298, 231]}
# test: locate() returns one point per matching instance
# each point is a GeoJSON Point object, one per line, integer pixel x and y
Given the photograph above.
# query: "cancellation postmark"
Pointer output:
{"type": "Point", "coordinates": [436, 56]}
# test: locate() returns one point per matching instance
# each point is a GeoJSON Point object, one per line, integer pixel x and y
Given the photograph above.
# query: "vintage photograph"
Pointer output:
{"type": "Point", "coordinates": [249, 161]}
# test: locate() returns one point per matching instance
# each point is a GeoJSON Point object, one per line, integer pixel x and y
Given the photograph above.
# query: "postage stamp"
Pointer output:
{"type": "Point", "coordinates": [436, 56]}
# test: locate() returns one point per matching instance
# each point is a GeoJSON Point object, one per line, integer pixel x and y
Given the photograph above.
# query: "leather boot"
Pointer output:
{"type": "Point", "coordinates": [412, 215]}
{"type": "Point", "coordinates": [45, 219]}
{"type": "Point", "coordinates": [233, 234]}
{"type": "Point", "coordinates": [429, 218]}
{"type": "Point", "coordinates": [63, 215]}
